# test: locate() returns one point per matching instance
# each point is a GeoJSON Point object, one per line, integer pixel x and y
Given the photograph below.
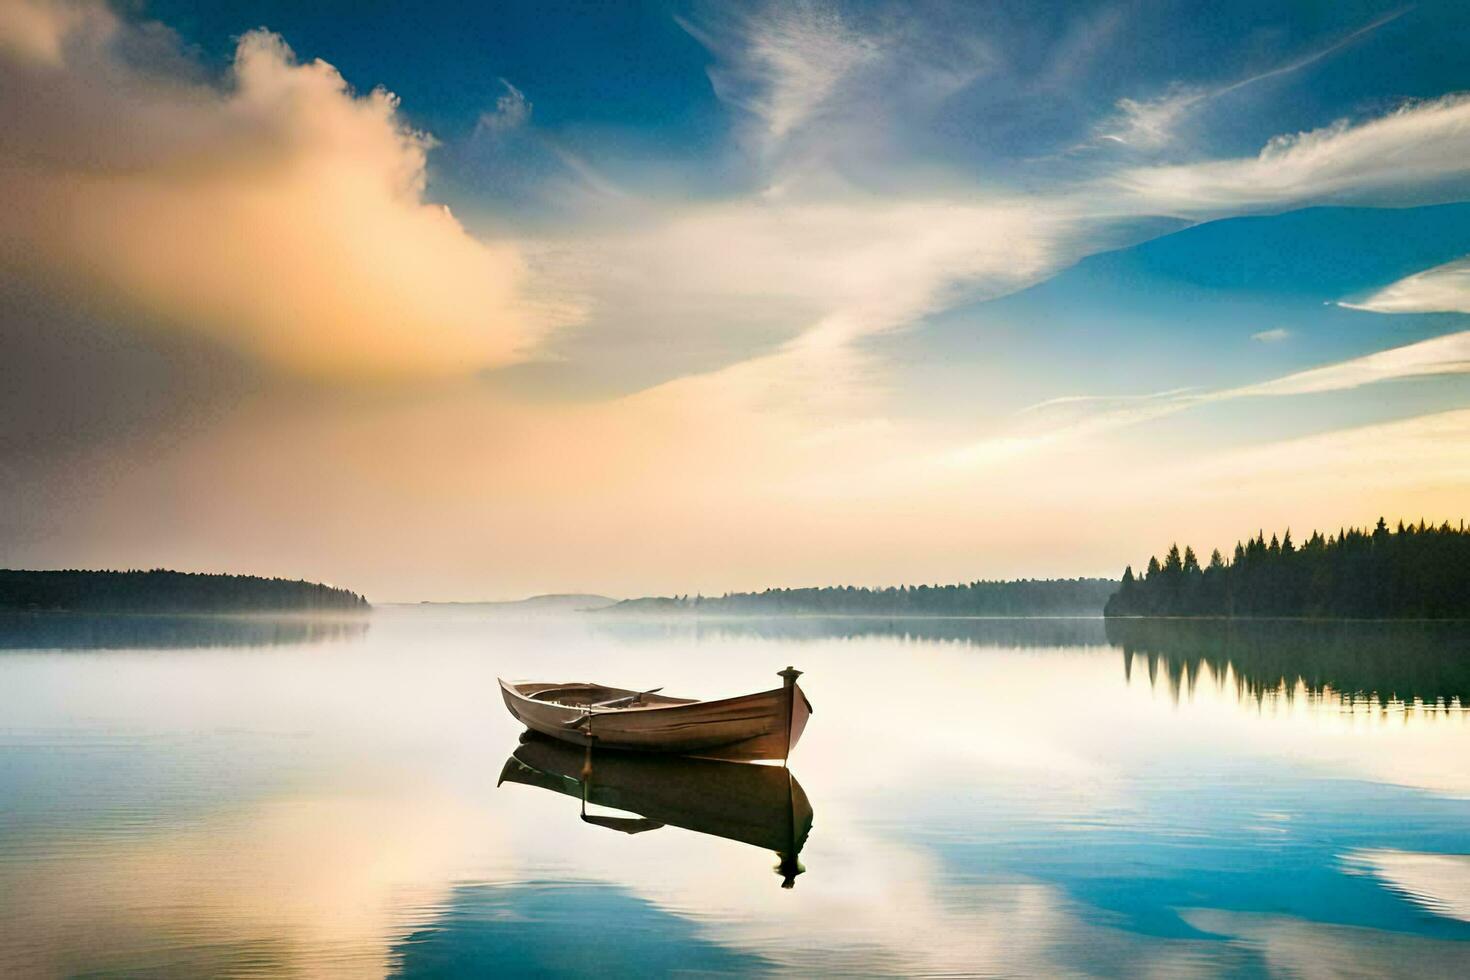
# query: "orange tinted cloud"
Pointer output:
{"type": "Point", "coordinates": [279, 214]}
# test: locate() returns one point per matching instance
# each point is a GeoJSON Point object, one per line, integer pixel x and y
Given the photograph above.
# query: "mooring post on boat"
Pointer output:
{"type": "Point", "coordinates": [789, 676]}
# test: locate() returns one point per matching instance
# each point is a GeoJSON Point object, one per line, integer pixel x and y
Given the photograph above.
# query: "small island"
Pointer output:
{"type": "Point", "coordinates": [163, 591]}
{"type": "Point", "coordinates": [1410, 572]}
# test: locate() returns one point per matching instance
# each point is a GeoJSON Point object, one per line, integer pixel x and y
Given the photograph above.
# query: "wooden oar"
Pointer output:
{"type": "Point", "coordinates": [613, 703]}
{"type": "Point", "coordinates": [627, 699]}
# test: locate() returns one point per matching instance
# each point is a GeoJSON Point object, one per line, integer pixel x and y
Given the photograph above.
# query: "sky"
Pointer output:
{"type": "Point", "coordinates": [463, 301]}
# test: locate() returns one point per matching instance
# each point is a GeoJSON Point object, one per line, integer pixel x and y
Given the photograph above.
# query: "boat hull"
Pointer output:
{"type": "Point", "coordinates": [747, 728]}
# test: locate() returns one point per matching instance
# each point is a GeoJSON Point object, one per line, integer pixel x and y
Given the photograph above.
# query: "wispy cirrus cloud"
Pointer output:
{"type": "Point", "coordinates": [1449, 354]}
{"type": "Point", "coordinates": [823, 258]}
{"type": "Point", "coordinates": [1403, 155]}
{"type": "Point", "coordinates": [1153, 123]}
{"type": "Point", "coordinates": [738, 281]}
{"type": "Point", "coordinates": [1443, 289]}
{"type": "Point", "coordinates": [783, 64]}
{"type": "Point", "coordinates": [819, 87]}
{"type": "Point", "coordinates": [1075, 415]}
{"type": "Point", "coordinates": [512, 111]}
{"type": "Point", "coordinates": [809, 258]}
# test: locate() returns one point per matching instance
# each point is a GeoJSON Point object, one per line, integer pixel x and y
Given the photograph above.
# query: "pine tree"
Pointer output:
{"type": "Point", "coordinates": [1417, 570]}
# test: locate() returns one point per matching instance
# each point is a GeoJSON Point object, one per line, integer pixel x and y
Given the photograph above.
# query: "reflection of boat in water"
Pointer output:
{"type": "Point", "coordinates": [753, 726]}
{"type": "Point", "coordinates": [763, 806]}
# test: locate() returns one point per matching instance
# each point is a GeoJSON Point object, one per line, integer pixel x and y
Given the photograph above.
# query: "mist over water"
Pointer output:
{"type": "Point", "coordinates": [994, 796]}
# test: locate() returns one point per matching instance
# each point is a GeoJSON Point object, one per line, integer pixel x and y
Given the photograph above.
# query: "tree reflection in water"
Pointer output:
{"type": "Point", "coordinates": [1352, 664]}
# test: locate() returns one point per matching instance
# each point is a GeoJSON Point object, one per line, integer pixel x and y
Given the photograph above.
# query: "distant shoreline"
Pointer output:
{"type": "Point", "coordinates": [693, 614]}
{"type": "Point", "coordinates": [1013, 598]}
{"type": "Point", "coordinates": [580, 600]}
{"type": "Point", "coordinates": [7, 612]}
{"type": "Point", "coordinates": [162, 591]}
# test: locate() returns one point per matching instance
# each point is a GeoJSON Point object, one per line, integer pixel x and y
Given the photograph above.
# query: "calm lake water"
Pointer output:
{"type": "Point", "coordinates": [242, 797]}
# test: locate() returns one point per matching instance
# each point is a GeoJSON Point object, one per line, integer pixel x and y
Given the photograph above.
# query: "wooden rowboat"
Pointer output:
{"type": "Point", "coordinates": [753, 726]}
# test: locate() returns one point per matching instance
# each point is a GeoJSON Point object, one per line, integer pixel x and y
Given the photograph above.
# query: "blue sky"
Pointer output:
{"type": "Point", "coordinates": [1043, 74]}
{"type": "Point", "coordinates": [688, 296]}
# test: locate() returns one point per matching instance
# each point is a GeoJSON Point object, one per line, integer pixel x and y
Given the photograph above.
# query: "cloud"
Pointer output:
{"type": "Point", "coordinates": [1074, 416]}
{"type": "Point", "coordinates": [278, 214]}
{"type": "Point", "coordinates": [821, 89]}
{"type": "Point", "coordinates": [672, 289]}
{"type": "Point", "coordinates": [814, 259]}
{"type": "Point", "coordinates": [1389, 157]}
{"type": "Point", "coordinates": [35, 31]}
{"type": "Point", "coordinates": [784, 63]}
{"type": "Point", "coordinates": [1443, 289]}
{"type": "Point", "coordinates": [512, 110]}
{"type": "Point", "coordinates": [1150, 124]}
{"type": "Point", "coordinates": [755, 275]}
{"type": "Point", "coordinates": [1449, 354]}
{"type": "Point", "coordinates": [1352, 470]}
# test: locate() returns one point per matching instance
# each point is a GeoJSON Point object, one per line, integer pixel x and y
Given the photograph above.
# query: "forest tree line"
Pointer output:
{"type": "Point", "coordinates": [1023, 597]}
{"type": "Point", "coordinates": [1410, 572]}
{"type": "Point", "coordinates": [160, 590]}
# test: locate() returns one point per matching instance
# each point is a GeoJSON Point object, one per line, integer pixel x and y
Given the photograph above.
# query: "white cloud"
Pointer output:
{"type": "Point", "coordinates": [821, 90]}
{"type": "Point", "coordinates": [1273, 336]}
{"type": "Point", "coordinates": [1420, 143]}
{"type": "Point", "coordinates": [512, 110]}
{"type": "Point", "coordinates": [1077, 415]}
{"type": "Point", "coordinates": [1153, 123]}
{"type": "Point", "coordinates": [740, 276]}
{"type": "Point", "coordinates": [874, 265]}
{"type": "Point", "coordinates": [784, 63]}
{"type": "Point", "coordinates": [1443, 289]}
{"type": "Point", "coordinates": [1449, 354]}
